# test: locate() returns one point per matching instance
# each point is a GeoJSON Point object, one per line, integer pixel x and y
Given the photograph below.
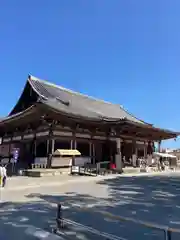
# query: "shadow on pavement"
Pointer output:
{"type": "Point", "coordinates": [24, 220]}
{"type": "Point", "coordinates": [152, 199]}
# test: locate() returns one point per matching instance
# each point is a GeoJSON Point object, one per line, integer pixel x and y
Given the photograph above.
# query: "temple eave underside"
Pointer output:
{"type": "Point", "coordinates": [42, 117]}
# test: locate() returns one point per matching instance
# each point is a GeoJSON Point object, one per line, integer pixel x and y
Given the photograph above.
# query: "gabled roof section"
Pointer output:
{"type": "Point", "coordinates": [63, 99]}
{"type": "Point", "coordinates": [27, 98]}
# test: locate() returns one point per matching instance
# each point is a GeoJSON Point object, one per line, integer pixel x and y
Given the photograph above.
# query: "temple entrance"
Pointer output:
{"type": "Point", "coordinates": [41, 148]}
{"type": "Point", "coordinates": [83, 147]}
{"type": "Point", "coordinates": [108, 150]}
{"type": "Point", "coordinates": [97, 151]}
{"type": "Point", "coordinates": [27, 154]}
{"type": "Point", "coordinates": [126, 152]}
{"type": "Point", "coordinates": [105, 150]}
{"type": "Point", "coordinates": [62, 144]}
{"type": "Point", "coordinates": [140, 151]}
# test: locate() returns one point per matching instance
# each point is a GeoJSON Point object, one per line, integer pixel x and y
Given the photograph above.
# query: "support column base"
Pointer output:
{"type": "Point", "coordinates": [118, 161]}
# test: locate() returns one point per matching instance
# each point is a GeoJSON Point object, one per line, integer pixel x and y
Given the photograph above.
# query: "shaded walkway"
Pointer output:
{"type": "Point", "coordinates": [153, 198]}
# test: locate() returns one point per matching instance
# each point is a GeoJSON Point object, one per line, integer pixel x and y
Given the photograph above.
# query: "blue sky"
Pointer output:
{"type": "Point", "coordinates": [126, 52]}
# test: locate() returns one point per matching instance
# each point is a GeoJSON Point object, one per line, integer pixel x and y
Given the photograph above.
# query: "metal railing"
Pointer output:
{"type": "Point", "coordinates": [60, 221]}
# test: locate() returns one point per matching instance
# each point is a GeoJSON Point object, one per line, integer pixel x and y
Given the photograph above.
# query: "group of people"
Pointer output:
{"type": "Point", "coordinates": [3, 175]}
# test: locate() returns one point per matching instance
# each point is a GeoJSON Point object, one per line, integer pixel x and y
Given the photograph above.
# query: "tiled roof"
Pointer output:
{"type": "Point", "coordinates": [74, 103]}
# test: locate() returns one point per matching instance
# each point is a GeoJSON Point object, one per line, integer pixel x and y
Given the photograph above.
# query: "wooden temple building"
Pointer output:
{"type": "Point", "coordinates": [49, 117]}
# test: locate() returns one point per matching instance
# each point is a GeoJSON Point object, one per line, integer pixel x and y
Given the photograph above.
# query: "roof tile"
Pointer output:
{"type": "Point", "coordinates": [77, 103]}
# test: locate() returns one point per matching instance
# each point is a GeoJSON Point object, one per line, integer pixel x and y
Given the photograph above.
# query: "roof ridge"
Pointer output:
{"type": "Point", "coordinates": [74, 92]}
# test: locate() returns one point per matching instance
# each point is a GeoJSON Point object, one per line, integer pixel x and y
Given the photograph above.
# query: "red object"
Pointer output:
{"type": "Point", "coordinates": [112, 165]}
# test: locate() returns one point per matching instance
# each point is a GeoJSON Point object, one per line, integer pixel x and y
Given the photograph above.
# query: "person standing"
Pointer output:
{"type": "Point", "coordinates": [1, 174]}
{"type": "Point", "coordinates": [4, 176]}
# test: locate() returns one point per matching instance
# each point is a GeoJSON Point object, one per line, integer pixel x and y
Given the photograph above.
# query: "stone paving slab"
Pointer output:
{"type": "Point", "coordinates": [22, 182]}
{"type": "Point", "coordinates": [18, 183]}
{"type": "Point", "coordinates": [28, 213]}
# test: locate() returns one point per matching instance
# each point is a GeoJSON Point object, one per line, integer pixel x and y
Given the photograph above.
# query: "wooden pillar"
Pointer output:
{"type": "Point", "coordinates": [149, 153]}
{"type": "Point", "coordinates": [93, 153]}
{"type": "Point", "coordinates": [118, 157]}
{"type": "Point", "coordinates": [90, 151]}
{"type": "Point", "coordinates": [47, 145]}
{"type": "Point", "coordinates": [33, 150]}
{"type": "Point", "coordinates": [9, 152]}
{"type": "Point", "coordinates": [137, 160]}
{"type": "Point", "coordinates": [71, 144]}
{"type": "Point", "coordinates": [136, 151]}
{"type": "Point", "coordinates": [50, 151]}
{"type": "Point", "coordinates": [75, 143]}
{"type": "Point", "coordinates": [118, 145]}
{"type": "Point", "coordinates": [145, 150]}
{"type": "Point", "coordinates": [49, 148]}
{"type": "Point", "coordinates": [52, 145]}
{"type": "Point", "coordinates": [159, 146]}
{"type": "Point", "coordinates": [134, 155]}
{"type": "Point", "coordinates": [35, 147]}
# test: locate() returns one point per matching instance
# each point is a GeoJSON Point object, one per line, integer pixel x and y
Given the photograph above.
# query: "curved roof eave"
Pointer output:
{"type": "Point", "coordinates": [111, 121]}
{"type": "Point", "coordinates": [18, 115]}
{"type": "Point", "coordinates": [154, 128]}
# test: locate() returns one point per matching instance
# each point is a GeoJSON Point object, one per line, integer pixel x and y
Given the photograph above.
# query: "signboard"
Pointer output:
{"type": "Point", "coordinates": [75, 169]}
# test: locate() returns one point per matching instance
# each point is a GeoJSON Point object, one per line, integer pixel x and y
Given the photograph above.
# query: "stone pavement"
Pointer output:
{"type": "Point", "coordinates": [22, 182]}
{"type": "Point", "coordinates": [29, 212]}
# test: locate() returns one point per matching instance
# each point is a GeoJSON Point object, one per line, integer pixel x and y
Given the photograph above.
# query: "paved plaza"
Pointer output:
{"type": "Point", "coordinates": [28, 210]}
